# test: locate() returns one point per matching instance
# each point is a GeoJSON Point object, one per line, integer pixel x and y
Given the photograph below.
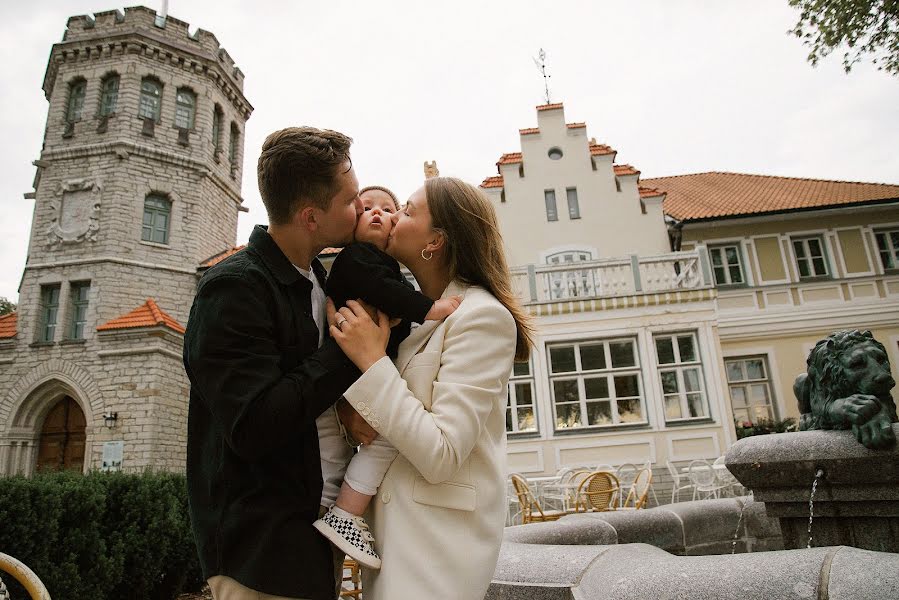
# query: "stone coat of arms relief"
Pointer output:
{"type": "Point", "coordinates": [76, 213]}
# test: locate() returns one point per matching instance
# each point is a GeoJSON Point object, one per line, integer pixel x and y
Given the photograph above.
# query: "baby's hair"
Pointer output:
{"type": "Point", "coordinates": [381, 189]}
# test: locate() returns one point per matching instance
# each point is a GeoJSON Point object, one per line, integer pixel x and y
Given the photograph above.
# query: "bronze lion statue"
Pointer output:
{"type": "Point", "coordinates": [847, 386]}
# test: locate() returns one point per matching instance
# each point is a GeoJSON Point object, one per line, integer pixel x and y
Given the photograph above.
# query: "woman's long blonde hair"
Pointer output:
{"type": "Point", "coordinates": [474, 247]}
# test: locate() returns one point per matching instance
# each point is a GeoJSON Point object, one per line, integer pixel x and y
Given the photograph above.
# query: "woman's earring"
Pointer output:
{"type": "Point", "coordinates": [429, 256]}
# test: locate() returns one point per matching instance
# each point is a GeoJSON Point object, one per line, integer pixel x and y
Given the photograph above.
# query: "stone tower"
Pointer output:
{"type": "Point", "coordinates": [138, 183]}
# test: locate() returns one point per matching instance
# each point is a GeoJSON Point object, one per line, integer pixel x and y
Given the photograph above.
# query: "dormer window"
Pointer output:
{"type": "Point", "coordinates": [555, 153]}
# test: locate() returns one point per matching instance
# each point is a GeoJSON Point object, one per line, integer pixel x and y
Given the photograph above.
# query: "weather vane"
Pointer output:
{"type": "Point", "coordinates": [540, 61]}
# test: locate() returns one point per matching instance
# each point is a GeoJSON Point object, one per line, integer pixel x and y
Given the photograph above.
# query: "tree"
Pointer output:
{"type": "Point", "coordinates": [864, 26]}
{"type": "Point", "coordinates": [6, 306]}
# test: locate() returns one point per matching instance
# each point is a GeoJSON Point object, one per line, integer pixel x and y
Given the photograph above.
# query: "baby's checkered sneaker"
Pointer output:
{"type": "Point", "coordinates": [351, 534]}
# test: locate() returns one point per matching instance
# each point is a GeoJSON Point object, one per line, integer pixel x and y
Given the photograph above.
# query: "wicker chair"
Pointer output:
{"type": "Point", "coordinates": [531, 511]}
{"type": "Point", "coordinates": [597, 492]}
{"type": "Point", "coordinates": [23, 575]}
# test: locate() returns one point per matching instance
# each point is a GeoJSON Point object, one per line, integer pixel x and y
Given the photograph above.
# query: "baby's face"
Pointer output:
{"type": "Point", "coordinates": [375, 222]}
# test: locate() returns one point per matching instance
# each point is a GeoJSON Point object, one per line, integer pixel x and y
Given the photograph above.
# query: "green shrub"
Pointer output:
{"type": "Point", "coordinates": [764, 426]}
{"type": "Point", "coordinates": [101, 535]}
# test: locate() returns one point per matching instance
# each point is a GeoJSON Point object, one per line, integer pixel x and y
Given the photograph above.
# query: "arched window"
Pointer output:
{"type": "Point", "coordinates": [75, 104]}
{"type": "Point", "coordinates": [185, 108]}
{"type": "Point", "coordinates": [109, 95]}
{"type": "Point", "coordinates": [234, 145]}
{"type": "Point", "coordinates": [157, 210]}
{"type": "Point", "coordinates": [150, 99]}
{"type": "Point", "coordinates": [218, 120]}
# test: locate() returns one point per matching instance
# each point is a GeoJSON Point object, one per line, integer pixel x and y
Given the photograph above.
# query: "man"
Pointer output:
{"type": "Point", "coordinates": [262, 370]}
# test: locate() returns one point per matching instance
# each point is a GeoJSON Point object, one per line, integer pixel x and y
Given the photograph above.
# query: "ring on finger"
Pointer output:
{"type": "Point", "coordinates": [340, 324]}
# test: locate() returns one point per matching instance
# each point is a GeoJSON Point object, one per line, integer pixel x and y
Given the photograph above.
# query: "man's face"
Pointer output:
{"type": "Point", "coordinates": [375, 222]}
{"type": "Point", "coordinates": [336, 225]}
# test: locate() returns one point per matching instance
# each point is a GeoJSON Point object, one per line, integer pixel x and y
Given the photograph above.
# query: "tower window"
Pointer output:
{"type": "Point", "coordinates": [49, 312]}
{"type": "Point", "coordinates": [157, 210]}
{"type": "Point", "coordinates": [233, 146]}
{"type": "Point", "coordinates": [150, 99]}
{"type": "Point", "coordinates": [555, 153]}
{"type": "Point", "coordinates": [109, 95]}
{"type": "Point", "coordinates": [185, 108]}
{"type": "Point", "coordinates": [79, 293]}
{"type": "Point", "coordinates": [75, 104]}
{"type": "Point", "coordinates": [218, 118]}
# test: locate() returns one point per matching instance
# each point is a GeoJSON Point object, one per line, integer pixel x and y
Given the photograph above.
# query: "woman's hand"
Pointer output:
{"type": "Point", "coordinates": [363, 340]}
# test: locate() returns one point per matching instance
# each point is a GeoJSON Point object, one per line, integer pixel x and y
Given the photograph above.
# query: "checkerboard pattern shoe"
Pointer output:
{"type": "Point", "coordinates": [351, 535]}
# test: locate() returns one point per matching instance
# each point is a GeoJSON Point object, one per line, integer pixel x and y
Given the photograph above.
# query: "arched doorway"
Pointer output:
{"type": "Point", "coordinates": [62, 438]}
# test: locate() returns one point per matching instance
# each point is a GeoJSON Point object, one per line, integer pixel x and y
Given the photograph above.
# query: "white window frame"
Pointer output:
{"type": "Point", "coordinates": [609, 372]}
{"type": "Point", "coordinates": [571, 284]}
{"type": "Point", "coordinates": [746, 383]}
{"type": "Point", "coordinates": [79, 307]}
{"type": "Point", "coordinates": [722, 249]}
{"type": "Point", "coordinates": [804, 241]}
{"type": "Point", "coordinates": [891, 249]}
{"type": "Point", "coordinates": [512, 401]}
{"type": "Point", "coordinates": [679, 367]}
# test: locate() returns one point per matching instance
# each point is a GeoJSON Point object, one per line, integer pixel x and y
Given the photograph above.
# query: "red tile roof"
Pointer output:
{"type": "Point", "coordinates": [8, 324]}
{"type": "Point", "coordinates": [550, 106]}
{"type": "Point", "coordinates": [648, 192]}
{"type": "Point", "coordinates": [625, 170]}
{"type": "Point", "coordinates": [509, 158]}
{"type": "Point", "coordinates": [598, 149]}
{"type": "Point", "coordinates": [576, 125]}
{"type": "Point", "coordinates": [493, 182]}
{"type": "Point", "coordinates": [147, 314]}
{"type": "Point", "coordinates": [715, 195]}
{"type": "Point", "coordinates": [529, 131]}
{"type": "Point", "coordinates": [214, 260]}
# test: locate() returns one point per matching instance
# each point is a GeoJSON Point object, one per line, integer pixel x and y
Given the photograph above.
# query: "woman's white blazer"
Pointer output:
{"type": "Point", "coordinates": [438, 515]}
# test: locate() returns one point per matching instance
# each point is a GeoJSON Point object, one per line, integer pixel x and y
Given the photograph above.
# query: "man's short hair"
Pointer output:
{"type": "Point", "coordinates": [298, 167]}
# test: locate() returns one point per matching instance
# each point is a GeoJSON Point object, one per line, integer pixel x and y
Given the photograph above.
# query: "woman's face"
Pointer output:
{"type": "Point", "coordinates": [412, 230]}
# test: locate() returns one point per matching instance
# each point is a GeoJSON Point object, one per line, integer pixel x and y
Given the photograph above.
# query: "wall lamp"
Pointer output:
{"type": "Point", "coordinates": [110, 418]}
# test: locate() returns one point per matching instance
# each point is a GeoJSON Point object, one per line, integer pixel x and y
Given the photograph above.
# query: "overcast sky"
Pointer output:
{"type": "Point", "coordinates": [675, 86]}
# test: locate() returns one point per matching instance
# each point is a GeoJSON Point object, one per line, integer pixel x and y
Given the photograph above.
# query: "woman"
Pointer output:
{"type": "Point", "coordinates": [439, 513]}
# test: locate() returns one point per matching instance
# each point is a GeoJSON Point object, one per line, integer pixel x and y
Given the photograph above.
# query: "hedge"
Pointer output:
{"type": "Point", "coordinates": [100, 535]}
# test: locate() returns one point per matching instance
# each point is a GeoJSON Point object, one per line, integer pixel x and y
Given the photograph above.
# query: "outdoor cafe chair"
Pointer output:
{"type": "Point", "coordinates": [639, 492]}
{"type": "Point", "coordinates": [597, 492]}
{"type": "Point", "coordinates": [678, 482]}
{"type": "Point", "coordinates": [702, 476]}
{"type": "Point", "coordinates": [531, 511]}
{"type": "Point", "coordinates": [725, 478]}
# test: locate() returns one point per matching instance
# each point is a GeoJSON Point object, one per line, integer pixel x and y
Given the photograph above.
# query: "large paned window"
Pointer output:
{"type": "Point", "coordinates": [549, 197]}
{"type": "Point", "coordinates": [888, 248]}
{"type": "Point", "coordinates": [521, 415]}
{"type": "Point", "coordinates": [79, 295]}
{"type": "Point", "coordinates": [596, 384]}
{"type": "Point", "coordinates": [185, 108]}
{"type": "Point", "coordinates": [49, 312]}
{"type": "Point", "coordinates": [157, 213]}
{"type": "Point", "coordinates": [749, 382]}
{"type": "Point", "coordinates": [727, 265]}
{"type": "Point", "coordinates": [75, 104]}
{"type": "Point", "coordinates": [109, 95]}
{"type": "Point", "coordinates": [680, 369]}
{"type": "Point", "coordinates": [150, 99]}
{"type": "Point", "coordinates": [574, 209]}
{"type": "Point", "coordinates": [810, 259]}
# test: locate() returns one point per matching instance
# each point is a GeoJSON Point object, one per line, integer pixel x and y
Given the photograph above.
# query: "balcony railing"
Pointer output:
{"type": "Point", "coordinates": [612, 277]}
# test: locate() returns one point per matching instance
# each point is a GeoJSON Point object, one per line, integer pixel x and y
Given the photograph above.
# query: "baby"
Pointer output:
{"type": "Point", "coordinates": [363, 270]}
